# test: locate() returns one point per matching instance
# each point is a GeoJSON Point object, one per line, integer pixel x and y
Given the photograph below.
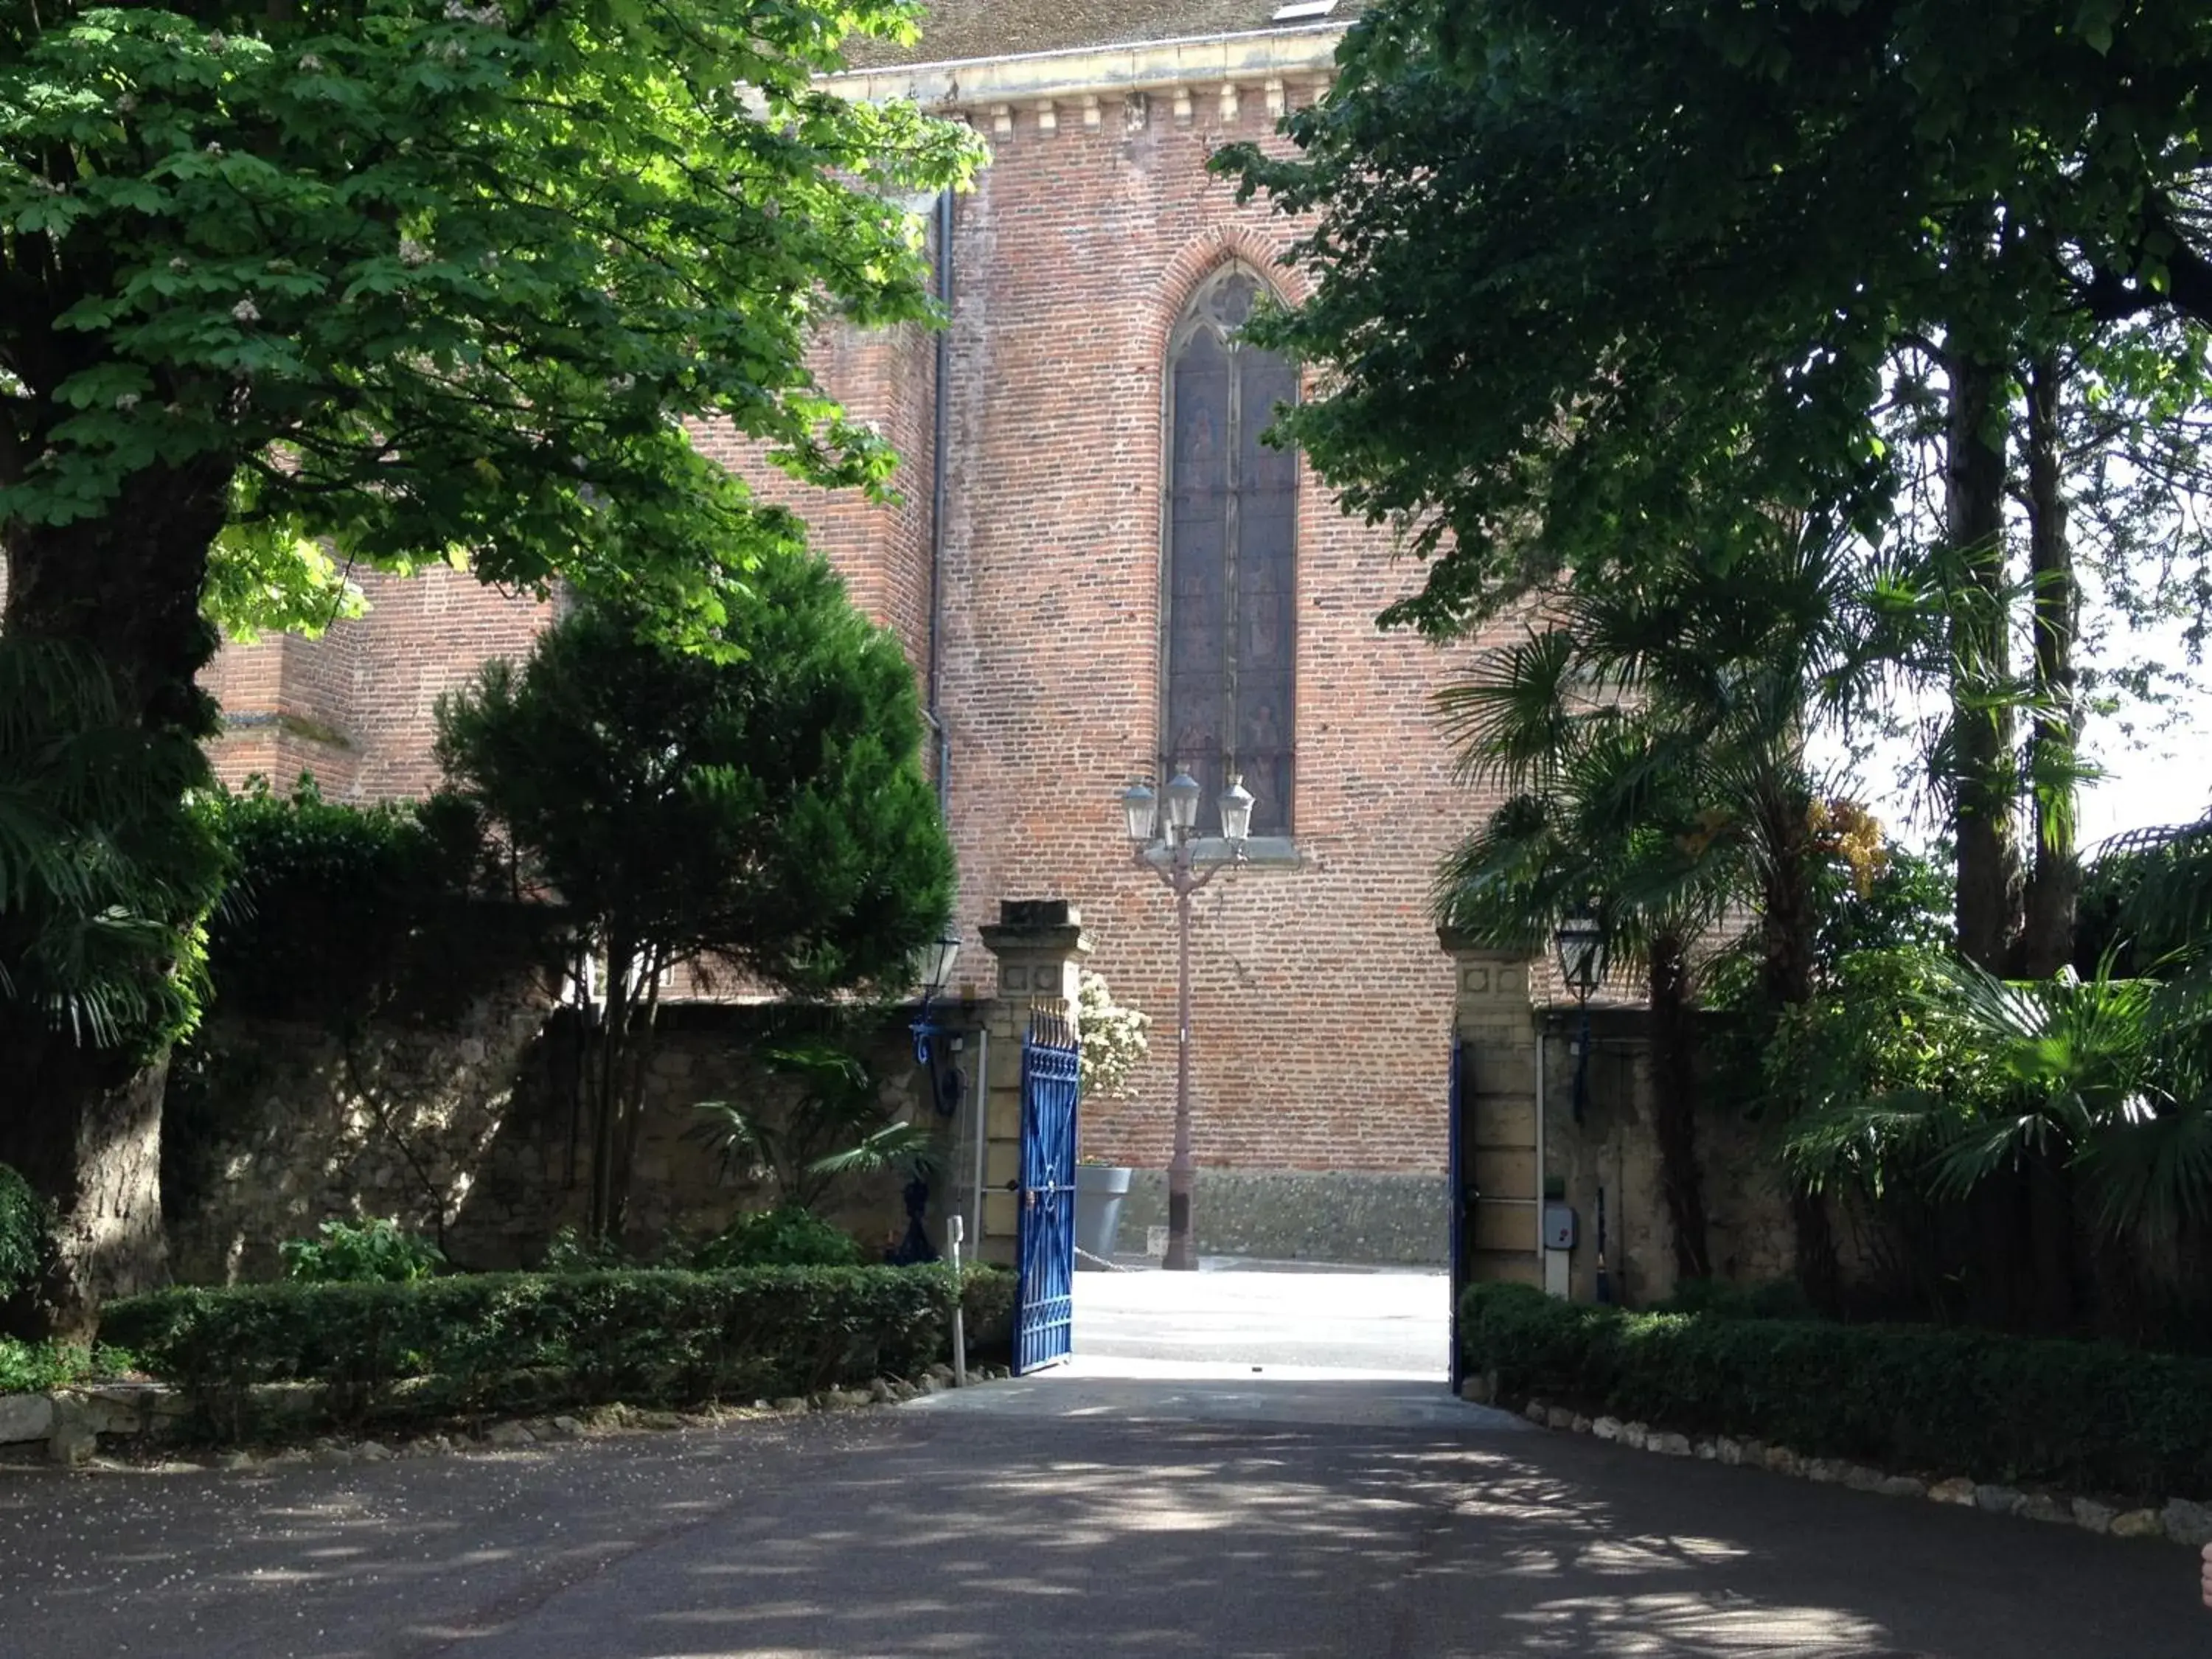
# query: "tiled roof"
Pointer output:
{"type": "Point", "coordinates": [959, 30]}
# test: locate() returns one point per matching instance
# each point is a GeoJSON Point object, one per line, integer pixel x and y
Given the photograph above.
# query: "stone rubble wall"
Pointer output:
{"type": "Point", "coordinates": [1748, 1229]}
{"type": "Point", "coordinates": [465, 1135]}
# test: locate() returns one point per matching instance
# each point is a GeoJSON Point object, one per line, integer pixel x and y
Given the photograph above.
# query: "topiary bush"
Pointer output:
{"type": "Point", "coordinates": [22, 1233]}
{"type": "Point", "coordinates": [475, 1342]}
{"type": "Point", "coordinates": [2086, 1416]}
{"type": "Point", "coordinates": [788, 1236]}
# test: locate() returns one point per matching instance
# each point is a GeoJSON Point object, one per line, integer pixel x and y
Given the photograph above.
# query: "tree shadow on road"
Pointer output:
{"type": "Point", "coordinates": [967, 1532]}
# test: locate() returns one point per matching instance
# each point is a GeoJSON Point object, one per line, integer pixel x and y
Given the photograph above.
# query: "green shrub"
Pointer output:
{"type": "Point", "coordinates": [570, 1251]}
{"type": "Point", "coordinates": [1780, 1299]}
{"type": "Point", "coordinates": [360, 1253]}
{"type": "Point", "coordinates": [22, 1233]}
{"type": "Point", "coordinates": [2088, 1417]}
{"type": "Point", "coordinates": [334, 911]}
{"type": "Point", "coordinates": [986, 1308]}
{"type": "Point", "coordinates": [35, 1367]}
{"type": "Point", "coordinates": [788, 1236]}
{"type": "Point", "coordinates": [472, 1342]}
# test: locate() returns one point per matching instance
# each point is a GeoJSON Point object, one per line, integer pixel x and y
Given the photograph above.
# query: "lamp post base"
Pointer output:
{"type": "Point", "coordinates": [1183, 1246]}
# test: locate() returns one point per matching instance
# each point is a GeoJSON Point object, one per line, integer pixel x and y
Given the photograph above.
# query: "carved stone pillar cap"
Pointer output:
{"type": "Point", "coordinates": [1037, 925]}
{"type": "Point", "coordinates": [1458, 944]}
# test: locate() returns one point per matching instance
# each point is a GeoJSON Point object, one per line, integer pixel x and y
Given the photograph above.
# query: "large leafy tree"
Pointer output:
{"type": "Point", "coordinates": [420, 278]}
{"type": "Point", "coordinates": [756, 805]}
{"type": "Point", "coordinates": [1595, 285]}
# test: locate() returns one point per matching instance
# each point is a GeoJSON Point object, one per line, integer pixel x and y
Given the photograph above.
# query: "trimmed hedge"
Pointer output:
{"type": "Point", "coordinates": [511, 1341]}
{"type": "Point", "coordinates": [2088, 1417]}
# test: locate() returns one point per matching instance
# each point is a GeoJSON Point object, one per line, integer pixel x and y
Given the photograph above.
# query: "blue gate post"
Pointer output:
{"type": "Point", "coordinates": [1030, 1144]}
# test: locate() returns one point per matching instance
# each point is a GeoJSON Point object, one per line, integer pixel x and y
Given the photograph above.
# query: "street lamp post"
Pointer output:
{"type": "Point", "coordinates": [932, 1054]}
{"type": "Point", "coordinates": [1581, 945]}
{"type": "Point", "coordinates": [1173, 857]}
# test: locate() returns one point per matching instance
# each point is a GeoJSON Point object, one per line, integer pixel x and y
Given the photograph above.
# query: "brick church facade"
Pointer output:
{"type": "Point", "coordinates": [1096, 570]}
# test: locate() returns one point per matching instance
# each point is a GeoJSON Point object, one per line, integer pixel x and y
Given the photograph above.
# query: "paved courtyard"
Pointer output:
{"type": "Point", "coordinates": [1387, 1323]}
{"type": "Point", "coordinates": [1130, 1505]}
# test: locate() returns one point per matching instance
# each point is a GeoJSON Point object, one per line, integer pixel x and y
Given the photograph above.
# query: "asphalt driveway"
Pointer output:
{"type": "Point", "coordinates": [1068, 1515]}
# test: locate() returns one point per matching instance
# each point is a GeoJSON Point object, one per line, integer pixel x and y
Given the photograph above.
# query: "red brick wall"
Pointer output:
{"type": "Point", "coordinates": [1322, 1004]}
{"type": "Point", "coordinates": [881, 549]}
{"type": "Point", "coordinates": [356, 706]}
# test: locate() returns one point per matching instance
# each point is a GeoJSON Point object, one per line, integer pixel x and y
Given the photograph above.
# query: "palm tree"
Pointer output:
{"type": "Point", "coordinates": [88, 934]}
{"type": "Point", "coordinates": [2108, 1077]}
{"type": "Point", "coordinates": [1587, 831]}
{"type": "Point", "coordinates": [1654, 732]}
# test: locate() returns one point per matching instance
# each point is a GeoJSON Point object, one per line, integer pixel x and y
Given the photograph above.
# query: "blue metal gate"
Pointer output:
{"type": "Point", "coordinates": [1044, 1306]}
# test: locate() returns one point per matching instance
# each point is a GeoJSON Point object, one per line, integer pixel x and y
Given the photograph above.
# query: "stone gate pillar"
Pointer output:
{"type": "Point", "coordinates": [1040, 946]}
{"type": "Point", "coordinates": [1501, 1123]}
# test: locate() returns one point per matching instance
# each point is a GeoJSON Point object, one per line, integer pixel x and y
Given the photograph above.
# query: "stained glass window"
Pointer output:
{"type": "Point", "coordinates": [1232, 525]}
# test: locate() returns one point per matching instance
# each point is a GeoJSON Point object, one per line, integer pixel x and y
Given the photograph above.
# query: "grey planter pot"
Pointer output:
{"type": "Point", "coordinates": [1099, 1191]}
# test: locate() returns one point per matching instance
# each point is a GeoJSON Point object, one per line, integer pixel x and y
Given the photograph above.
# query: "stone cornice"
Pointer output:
{"type": "Point", "coordinates": [1280, 66]}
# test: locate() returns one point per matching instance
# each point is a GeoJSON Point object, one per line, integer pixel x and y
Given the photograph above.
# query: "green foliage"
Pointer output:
{"type": "Point", "coordinates": [784, 1237]}
{"type": "Point", "coordinates": [1676, 338]}
{"type": "Point", "coordinates": [339, 912]}
{"type": "Point", "coordinates": [376, 1251]}
{"type": "Point", "coordinates": [569, 1251]}
{"type": "Point", "coordinates": [1796, 311]}
{"type": "Point", "coordinates": [2146, 903]}
{"type": "Point", "coordinates": [761, 803]}
{"type": "Point", "coordinates": [23, 1223]}
{"type": "Point", "coordinates": [986, 1305]}
{"type": "Point", "coordinates": [1717, 1299]}
{"type": "Point", "coordinates": [2090, 1417]}
{"type": "Point", "coordinates": [36, 1367]}
{"type": "Point", "coordinates": [102, 886]}
{"type": "Point", "coordinates": [757, 804]}
{"type": "Point", "coordinates": [1923, 1074]}
{"type": "Point", "coordinates": [402, 283]}
{"type": "Point", "coordinates": [497, 1340]}
{"type": "Point", "coordinates": [836, 1125]}
{"type": "Point", "coordinates": [461, 323]}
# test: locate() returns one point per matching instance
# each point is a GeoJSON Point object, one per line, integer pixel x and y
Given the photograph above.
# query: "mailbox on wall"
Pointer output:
{"type": "Point", "coordinates": [1559, 1227]}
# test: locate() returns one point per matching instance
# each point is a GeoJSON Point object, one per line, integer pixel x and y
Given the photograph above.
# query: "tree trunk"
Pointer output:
{"type": "Point", "coordinates": [1788, 913]}
{"type": "Point", "coordinates": [1985, 827]}
{"type": "Point", "coordinates": [1675, 1057]}
{"type": "Point", "coordinates": [1787, 921]}
{"type": "Point", "coordinates": [83, 1123]}
{"type": "Point", "coordinates": [606, 1102]}
{"type": "Point", "coordinates": [2046, 942]}
{"type": "Point", "coordinates": [87, 1135]}
{"type": "Point", "coordinates": [643, 1038]}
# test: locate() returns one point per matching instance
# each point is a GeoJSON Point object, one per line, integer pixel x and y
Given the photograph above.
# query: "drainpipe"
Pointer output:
{"type": "Point", "coordinates": [937, 492]}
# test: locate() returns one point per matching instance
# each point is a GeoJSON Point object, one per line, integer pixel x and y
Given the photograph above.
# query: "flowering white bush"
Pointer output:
{"type": "Point", "coordinates": [1113, 1038]}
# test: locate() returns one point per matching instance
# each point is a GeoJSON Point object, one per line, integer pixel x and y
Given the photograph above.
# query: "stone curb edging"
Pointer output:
{"type": "Point", "coordinates": [72, 1422]}
{"type": "Point", "coordinates": [2179, 1520]}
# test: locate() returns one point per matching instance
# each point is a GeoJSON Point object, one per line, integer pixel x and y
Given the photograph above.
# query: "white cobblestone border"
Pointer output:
{"type": "Point", "coordinates": [2179, 1520]}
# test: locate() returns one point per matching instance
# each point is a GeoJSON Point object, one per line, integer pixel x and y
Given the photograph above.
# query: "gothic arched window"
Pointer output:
{"type": "Point", "coordinates": [1230, 618]}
